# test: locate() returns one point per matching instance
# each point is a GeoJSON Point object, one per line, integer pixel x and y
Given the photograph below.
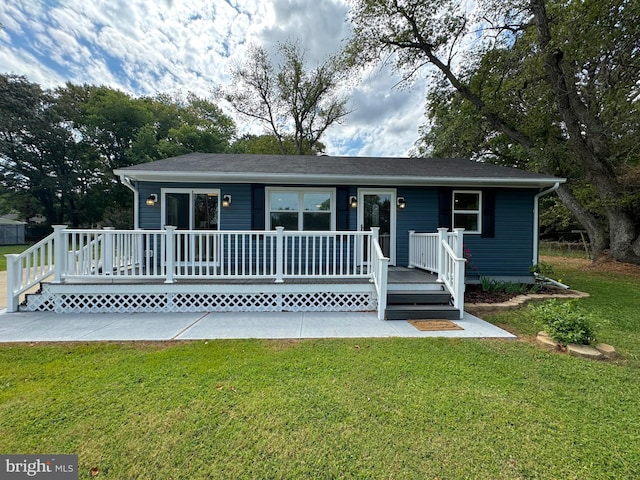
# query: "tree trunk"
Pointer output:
{"type": "Point", "coordinates": [595, 231]}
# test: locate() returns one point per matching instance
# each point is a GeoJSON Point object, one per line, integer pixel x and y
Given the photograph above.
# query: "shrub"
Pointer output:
{"type": "Point", "coordinates": [543, 269]}
{"type": "Point", "coordinates": [565, 322]}
{"type": "Point", "coordinates": [491, 285]}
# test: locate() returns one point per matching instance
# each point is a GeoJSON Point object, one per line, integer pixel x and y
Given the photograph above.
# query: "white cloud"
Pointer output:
{"type": "Point", "coordinates": [171, 46]}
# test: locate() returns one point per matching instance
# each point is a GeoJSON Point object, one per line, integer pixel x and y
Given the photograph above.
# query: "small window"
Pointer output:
{"type": "Point", "coordinates": [467, 208]}
{"type": "Point", "coordinates": [301, 210]}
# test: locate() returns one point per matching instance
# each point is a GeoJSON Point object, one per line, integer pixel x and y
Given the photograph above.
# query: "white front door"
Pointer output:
{"type": "Point", "coordinates": [377, 208]}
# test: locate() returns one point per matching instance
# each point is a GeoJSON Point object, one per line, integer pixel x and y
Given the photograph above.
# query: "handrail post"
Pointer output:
{"type": "Point", "coordinates": [460, 270]}
{"type": "Point", "coordinates": [170, 253]}
{"type": "Point", "coordinates": [279, 254]}
{"type": "Point", "coordinates": [107, 251]}
{"type": "Point", "coordinates": [60, 253]}
{"type": "Point", "coordinates": [459, 246]}
{"type": "Point", "coordinates": [382, 297]}
{"type": "Point", "coordinates": [14, 277]}
{"type": "Point", "coordinates": [412, 248]}
{"type": "Point", "coordinates": [375, 235]}
{"type": "Point", "coordinates": [442, 237]}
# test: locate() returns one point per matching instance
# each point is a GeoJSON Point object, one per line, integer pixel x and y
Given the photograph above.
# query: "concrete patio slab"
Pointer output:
{"type": "Point", "coordinates": [52, 327]}
{"type": "Point", "coordinates": [245, 325]}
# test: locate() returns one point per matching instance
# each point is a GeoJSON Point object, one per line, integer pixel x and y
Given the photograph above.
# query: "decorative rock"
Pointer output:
{"type": "Point", "coordinates": [547, 342]}
{"type": "Point", "coordinates": [607, 350]}
{"type": "Point", "coordinates": [584, 351]}
{"type": "Point", "coordinates": [543, 334]}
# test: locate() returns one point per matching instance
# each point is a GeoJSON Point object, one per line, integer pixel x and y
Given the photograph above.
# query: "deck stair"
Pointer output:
{"type": "Point", "coordinates": [418, 305]}
{"type": "Point", "coordinates": [416, 295]}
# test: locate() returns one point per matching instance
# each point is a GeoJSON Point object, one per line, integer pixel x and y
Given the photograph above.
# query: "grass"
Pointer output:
{"type": "Point", "coordinates": [7, 249]}
{"type": "Point", "coordinates": [613, 302]}
{"type": "Point", "coordinates": [387, 408]}
{"type": "Point", "coordinates": [361, 408]}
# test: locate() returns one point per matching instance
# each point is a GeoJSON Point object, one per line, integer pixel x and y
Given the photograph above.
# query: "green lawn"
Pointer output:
{"type": "Point", "coordinates": [7, 249]}
{"type": "Point", "coordinates": [361, 408]}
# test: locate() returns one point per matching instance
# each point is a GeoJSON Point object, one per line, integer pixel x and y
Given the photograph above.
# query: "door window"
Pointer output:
{"type": "Point", "coordinates": [191, 210]}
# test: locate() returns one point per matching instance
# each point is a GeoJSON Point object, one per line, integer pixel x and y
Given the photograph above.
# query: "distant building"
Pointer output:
{"type": "Point", "coordinates": [11, 232]}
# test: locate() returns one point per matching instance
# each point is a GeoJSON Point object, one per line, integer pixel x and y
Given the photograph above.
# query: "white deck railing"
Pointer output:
{"type": "Point", "coordinates": [379, 272]}
{"type": "Point", "coordinates": [27, 269]}
{"type": "Point", "coordinates": [441, 253]}
{"type": "Point", "coordinates": [172, 254]}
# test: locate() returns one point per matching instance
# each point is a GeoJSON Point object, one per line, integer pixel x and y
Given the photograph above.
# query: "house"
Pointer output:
{"type": "Point", "coordinates": [11, 231]}
{"type": "Point", "coordinates": [256, 232]}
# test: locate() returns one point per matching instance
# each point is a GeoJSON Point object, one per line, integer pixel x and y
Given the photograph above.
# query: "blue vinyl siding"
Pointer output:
{"type": "Point", "coordinates": [507, 253]}
{"type": "Point", "coordinates": [420, 215]}
{"type": "Point", "coordinates": [510, 251]}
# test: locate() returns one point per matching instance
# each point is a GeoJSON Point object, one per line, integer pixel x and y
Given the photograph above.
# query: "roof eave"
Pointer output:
{"type": "Point", "coordinates": [284, 179]}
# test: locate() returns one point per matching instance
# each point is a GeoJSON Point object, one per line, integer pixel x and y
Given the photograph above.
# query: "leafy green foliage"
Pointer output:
{"type": "Point", "coordinates": [492, 285]}
{"type": "Point", "coordinates": [270, 145]}
{"type": "Point", "coordinates": [565, 322]}
{"type": "Point", "coordinates": [59, 148]}
{"type": "Point", "coordinates": [545, 85]}
{"type": "Point", "coordinates": [544, 269]}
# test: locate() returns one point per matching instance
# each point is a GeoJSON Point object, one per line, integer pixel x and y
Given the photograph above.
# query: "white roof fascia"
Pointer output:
{"type": "Point", "coordinates": [306, 179]}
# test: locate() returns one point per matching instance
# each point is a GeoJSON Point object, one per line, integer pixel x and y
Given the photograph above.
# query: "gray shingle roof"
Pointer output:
{"type": "Point", "coordinates": [325, 169]}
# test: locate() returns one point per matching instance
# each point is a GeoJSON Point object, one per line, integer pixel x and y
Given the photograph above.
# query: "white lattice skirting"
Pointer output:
{"type": "Point", "coordinates": [61, 299]}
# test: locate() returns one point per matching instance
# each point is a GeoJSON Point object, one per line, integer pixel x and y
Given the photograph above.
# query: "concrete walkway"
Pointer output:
{"type": "Point", "coordinates": [52, 327]}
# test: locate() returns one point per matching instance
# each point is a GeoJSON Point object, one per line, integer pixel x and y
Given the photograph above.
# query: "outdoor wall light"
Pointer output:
{"type": "Point", "coordinates": [353, 201]}
{"type": "Point", "coordinates": [226, 201]}
{"type": "Point", "coordinates": [401, 203]}
{"type": "Point", "coordinates": [152, 199]}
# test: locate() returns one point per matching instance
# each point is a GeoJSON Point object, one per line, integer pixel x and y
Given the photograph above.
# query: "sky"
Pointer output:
{"type": "Point", "coordinates": [145, 47]}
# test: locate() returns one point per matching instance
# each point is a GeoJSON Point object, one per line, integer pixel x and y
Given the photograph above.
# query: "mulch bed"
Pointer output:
{"type": "Point", "coordinates": [475, 294]}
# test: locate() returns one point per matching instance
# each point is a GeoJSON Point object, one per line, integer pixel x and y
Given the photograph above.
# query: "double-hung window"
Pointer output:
{"type": "Point", "coordinates": [467, 210]}
{"type": "Point", "coordinates": [294, 209]}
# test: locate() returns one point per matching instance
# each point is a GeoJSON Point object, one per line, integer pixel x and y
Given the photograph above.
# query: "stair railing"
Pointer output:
{"type": "Point", "coordinates": [29, 268]}
{"type": "Point", "coordinates": [452, 267]}
{"type": "Point", "coordinates": [441, 253]}
{"type": "Point", "coordinates": [379, 271]}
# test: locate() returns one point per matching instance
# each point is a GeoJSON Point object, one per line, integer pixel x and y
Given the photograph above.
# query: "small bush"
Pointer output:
{"type": "Point", "coordinates": [565, 322]}
{"type": "Point", "coordinates": [543, 269]}
{"type": "Point", "coordinates": [491, 285]}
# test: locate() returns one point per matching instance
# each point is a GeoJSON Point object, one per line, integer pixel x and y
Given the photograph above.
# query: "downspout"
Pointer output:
{"type": "Point", "coordinates": [136, 197]}
{"type": "Point", "coordinates": [536, 220]}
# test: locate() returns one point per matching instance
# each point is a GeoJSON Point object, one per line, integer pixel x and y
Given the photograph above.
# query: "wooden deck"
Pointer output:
{"type": "Point", "coordinates": [396, 275]}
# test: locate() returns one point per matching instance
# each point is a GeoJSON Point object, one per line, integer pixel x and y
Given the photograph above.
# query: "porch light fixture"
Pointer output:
{"type": "Point", "coordinates": [401, 203]}
{"type": "Point", "coordinates": [353, 201]}
{"type": "Point", "coordinates": [226, 201]}
{"type": "Point", "coordinates": [152, 199]}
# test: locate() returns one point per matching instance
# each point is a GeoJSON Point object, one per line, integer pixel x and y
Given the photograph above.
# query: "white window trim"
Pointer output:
{"type": "Point", "coordinates": [190, 191]}
{"type": "Point", "coordinates": [300, 191]}
{"type": "Point", "coordinates": [478, 212]}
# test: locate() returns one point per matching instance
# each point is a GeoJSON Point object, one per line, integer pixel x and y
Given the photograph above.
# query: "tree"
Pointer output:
{"type": "Point", "coordinates": [556, 79]}
{"type": "Point", "coordinates": [60, 147]}
{"type": "Point", "coordinates": [39, 154]}
{"type": "Point", "coordinates": [293, 101]}
{"type": "Point", "coordinates": [270, 145]}
{"type": "Point", "coordinates": [181, 126]}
